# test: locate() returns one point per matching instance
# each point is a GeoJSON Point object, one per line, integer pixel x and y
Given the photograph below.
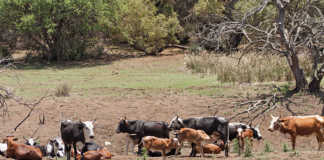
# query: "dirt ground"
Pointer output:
{"type": "Point", "coordinates": [161, 106]}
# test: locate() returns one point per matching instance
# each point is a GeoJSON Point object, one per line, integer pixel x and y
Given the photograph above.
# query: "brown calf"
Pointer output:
{"type": "Point", "coordinates": [21, 151]}
{"type": "Point", "coordinates": [211, 148]}
{"type": "Point", "coordinates": [163, 145]}
{"type": "Point", "coordinates": [101, 154]}
{"type": "Point", "coordinates": [299, 126]}
{"type": "Point", "coordinates": [199, 137]}
{"type": "Point", "coordinates": [242, 135]}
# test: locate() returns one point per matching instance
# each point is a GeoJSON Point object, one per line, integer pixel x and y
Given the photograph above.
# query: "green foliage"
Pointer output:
{"type": "Point", "coordinates": [60, 30]}
{"type": "Point", "coordinates": [285, 147]}
{"type": "Point", "coordinates": [248, 148]}
{"type": "Point", "coordinates": [143, 28]}
{"type": "Point", "coordinates": [144, 155]}
{"type": "Point", "coordinates": [236, 146]}
{"type": "Point", "coordinates": [267, 147]}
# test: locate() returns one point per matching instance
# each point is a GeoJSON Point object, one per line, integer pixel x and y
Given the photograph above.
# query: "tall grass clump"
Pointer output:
{"type": "Point", "coordinates": [63, 90]}
{"type": "Point", "coordinates": [236, 147]}
{"type": "Point", "coordinates": [248, 148]}
{"type": "Point", "coordinates": [249, 68]}
{"type": "Point", "coordinates": [267, 147]}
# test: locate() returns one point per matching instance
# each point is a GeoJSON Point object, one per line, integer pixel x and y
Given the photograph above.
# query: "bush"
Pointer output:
{"type": "Point", "coordinates": [252, 67]}
{"type": "Point", "coordinates": [63, 90]}
{"type": "Point", "coordinates": [60, 30]}
{"type": "Point", "coordinates": [144, 29]}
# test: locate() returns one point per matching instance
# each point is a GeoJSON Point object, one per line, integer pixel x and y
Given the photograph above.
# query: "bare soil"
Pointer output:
{"type": "Point", "coordinates": [158, 107]}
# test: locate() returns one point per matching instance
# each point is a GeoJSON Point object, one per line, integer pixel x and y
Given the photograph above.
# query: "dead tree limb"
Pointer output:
{"type": "Point", "coordinates": [30, 106]}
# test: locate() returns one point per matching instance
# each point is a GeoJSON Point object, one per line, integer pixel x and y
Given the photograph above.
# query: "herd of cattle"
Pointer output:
{"type": "Point", "coordinates": [206, 135]}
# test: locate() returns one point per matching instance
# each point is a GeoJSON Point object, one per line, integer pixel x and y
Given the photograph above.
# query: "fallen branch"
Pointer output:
{"type": "Point", "coordinates": [31, 107]}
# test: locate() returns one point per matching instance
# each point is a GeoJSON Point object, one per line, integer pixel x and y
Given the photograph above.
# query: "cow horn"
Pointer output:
{"type": "Point", "coordinates": [272, 116]}
{"type": "Point", "coordinates": [37, 138]}
{"type": "Point", "coordinates": [25, 138]}
{"type": "Point", "coordinates": [94, 120]}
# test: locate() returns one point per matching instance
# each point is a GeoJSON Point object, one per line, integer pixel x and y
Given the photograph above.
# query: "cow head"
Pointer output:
{"type": "Point", "coordinates": [122, 125]}
{"type": "Point", "coordinates": [55, 143]}
{"type": "Point", "coordinates": [10, 139]}
{"type": "Point", "coordinates": [256, 133]}
{"type": "Point", "coordinates": [274, 124]}
{"type": "Point", "coordinates": [31, 141]}
{"type": "Point", "coordinates": [89, 127]}
{"type": "Point", "coordinates": [176, 123]}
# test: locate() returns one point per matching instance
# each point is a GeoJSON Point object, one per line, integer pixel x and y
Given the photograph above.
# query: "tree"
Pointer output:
{"type": "Point", "coordinates": [58, 29]}
{"type": "Point", "coordinates": [297, 26]}
{"type": "Point", "coordinates": [143, 29]}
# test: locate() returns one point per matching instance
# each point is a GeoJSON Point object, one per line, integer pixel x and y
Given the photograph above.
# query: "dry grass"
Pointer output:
{"type": "Point", "coordinates": [63, 90]}
{"type": "Point", "coordinates": [251, 67]}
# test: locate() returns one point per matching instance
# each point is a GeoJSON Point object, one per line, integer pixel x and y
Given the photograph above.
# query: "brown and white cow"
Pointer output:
{"type": "Point", "coordinates": [163, 145]}
{"type": "Point", "coordinates": [299, 126]}
{"type": "Point", "coordinates": [21, 151]}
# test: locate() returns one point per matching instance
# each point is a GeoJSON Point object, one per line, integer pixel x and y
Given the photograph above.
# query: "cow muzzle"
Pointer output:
{"type": "Point", "coordinates": [91, 137]}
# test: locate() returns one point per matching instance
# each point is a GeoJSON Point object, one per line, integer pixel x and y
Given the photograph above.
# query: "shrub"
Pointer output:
{"type": "Point", "coordinates": [251, 67]}
{"type": "Point", "coordinates": [63, 90]}
{"type": "Point", "coordinates": [60, 30]}
{"type": "Point", "coordinates": [144, 29]}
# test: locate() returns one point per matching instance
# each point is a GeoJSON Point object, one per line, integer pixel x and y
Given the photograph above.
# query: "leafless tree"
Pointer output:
{"type": "Point", "coordinates": [298, 26]}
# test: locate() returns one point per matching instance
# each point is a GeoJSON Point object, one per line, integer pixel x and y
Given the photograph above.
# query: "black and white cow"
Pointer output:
{"type": "Point", "coordinates": [139, 129]}
{"type": "Point", "coordinates": [3, 148]}
{"type": "Point", "coordinates": [48, 149]}
{"type": "Point", "coordinates": [73, 132]}
{"type": "Point", "coordinates": [235, 128]}
{"type": "Point", "coordinates": [207, 124]}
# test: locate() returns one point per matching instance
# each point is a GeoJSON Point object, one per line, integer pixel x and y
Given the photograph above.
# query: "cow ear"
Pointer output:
{"type": "Point", "coordinates": [94, 120]}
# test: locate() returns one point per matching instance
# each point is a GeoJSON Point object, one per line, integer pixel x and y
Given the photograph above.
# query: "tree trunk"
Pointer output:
{"type": "Point", "coordinates": [300, 79]}
{"type": "Point", "coordinates": [318, 70]}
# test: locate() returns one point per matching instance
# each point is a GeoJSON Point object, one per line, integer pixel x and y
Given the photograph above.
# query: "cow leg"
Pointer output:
{"type": "Point", "coordinates": [163, 154]}
{"type": "Point", "coordinates": [178, 148]}
{"type": "Point", "coordinates": [193, 150]}
{"type": "Point", "coordinates": [202, 150]}
{"type": "Point", "coordinates": [67, 151]}
{"type": "Point", "coordinates": [241, 145]}
{"type": "Point", "coordinates": [293, 141]}
{"type": "Point", "coordinates": [75, 151]}
{"type": "Point", "coordinates": [127, 145]}
{"type": "Point", "coordinates": [140, 145]}
{"type": "Point", "coordinates": [320, 140]}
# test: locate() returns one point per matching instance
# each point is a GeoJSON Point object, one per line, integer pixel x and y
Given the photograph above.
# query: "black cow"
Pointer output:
{"type": "Point", "coordinates": [234, 127]}
{"type": "Point", "coordinates": [72, 132]}
{"type": "Point", "coordinates": [144, 128]}
{"type": "Point", "coordinates": [207, 124]}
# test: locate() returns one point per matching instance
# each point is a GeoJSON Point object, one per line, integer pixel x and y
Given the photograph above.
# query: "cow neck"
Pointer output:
{"type": "Point", "coordinates": [184, 123]}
